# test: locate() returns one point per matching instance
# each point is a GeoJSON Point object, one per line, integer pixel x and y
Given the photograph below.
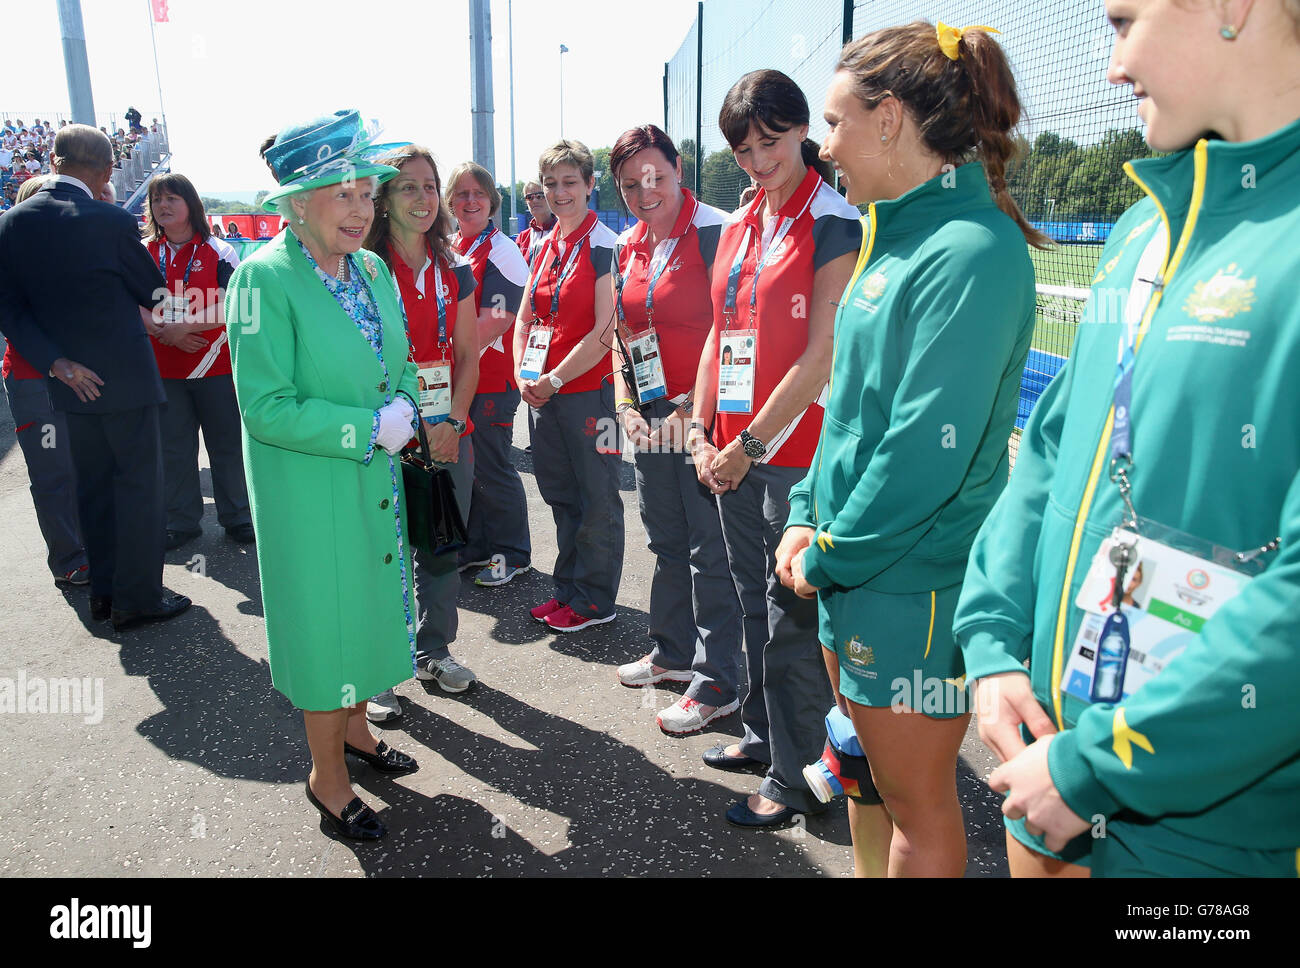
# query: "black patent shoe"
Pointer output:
{"type": "Point", "coordinates": [168, 608]}
{"type": "Point", "coordinates": [385, 759]}
{"type": "Point", "coordinates": [101, 607]}
{"type": "Point", "coordinates": [358, 821]}
{"type": "Point", "coordinates": [720, 760]}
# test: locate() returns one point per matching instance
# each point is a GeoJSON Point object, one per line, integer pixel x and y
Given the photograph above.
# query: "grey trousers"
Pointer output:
{"type": "Point", "coordinates": [207, 402]}
{"type": "Point", "coordinates": [498, 515]}
{"type": "Point", "coordinates": [47, 449]}
{"type": "Point", "coordinates": [694, 612]}
{"type": "Point", "coordinates": [789, 690]}
{"type": "Point", "coordinates": [436, 595]}
{"type": "Point", "coordinates": [580, 484]}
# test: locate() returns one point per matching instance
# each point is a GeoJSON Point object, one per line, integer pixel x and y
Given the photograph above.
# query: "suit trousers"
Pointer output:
{"type": "Point", "coordinates": [789, 691]}
{"type": "Point", "coordinates": [694, 613]}
{"type": "Point", "coordinates": [118, 462]}
{"type": "Point", "coordinates": [577, 455]}
{"type": "Point", "coordinates": [437, 594]}
{"type": "Point", "coordinates": [498, 516]}
{"type": "Point", "coordinates": [207, 402]}
{"type": "Point", "coordinates": [47, 449]}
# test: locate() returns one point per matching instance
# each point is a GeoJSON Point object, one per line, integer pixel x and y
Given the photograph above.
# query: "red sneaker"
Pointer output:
{"type": "Point", "coordinates": [567, 620]}
{"type": "Point", "coordinates": [541, 611]}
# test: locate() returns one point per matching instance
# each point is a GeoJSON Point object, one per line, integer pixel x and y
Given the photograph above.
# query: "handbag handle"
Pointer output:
{"type": "Point", "coordinates": [419, 431]}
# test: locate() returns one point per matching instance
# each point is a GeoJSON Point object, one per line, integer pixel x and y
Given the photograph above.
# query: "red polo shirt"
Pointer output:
{"type": "Point", "coordinates": [530, 239]}
{"type": "Point", "coordinates": [15, 364]}
{"type": "Point", "coordinates": [683, 309]}
{"type": "Point", "coordinates": [421, 306]}
{"type": "Point", "coordinates": [210, 264]}
{"type": "Point", "coordinates": [824, 227]}
{"type": "Point", "coordinates": [499, 274]}
{"type": "Point", "coordinates": [576, 316]}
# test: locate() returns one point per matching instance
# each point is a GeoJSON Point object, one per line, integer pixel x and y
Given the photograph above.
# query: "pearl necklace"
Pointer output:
{"type": "Point", "coordinates": [342, 272]}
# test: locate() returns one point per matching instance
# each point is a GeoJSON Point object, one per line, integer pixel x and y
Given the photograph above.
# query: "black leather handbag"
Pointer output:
{"type": "Point", "coordinates": [434, 524]}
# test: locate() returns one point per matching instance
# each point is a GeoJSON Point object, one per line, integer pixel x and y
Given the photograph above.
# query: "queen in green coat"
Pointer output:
{"type": "Point", "coordinates": [326, 397]}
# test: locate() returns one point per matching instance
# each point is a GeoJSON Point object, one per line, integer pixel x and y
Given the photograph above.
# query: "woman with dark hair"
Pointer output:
{"type": "Point", "coordinates": [190, 344]}
{"type": "Point", "coordinates": [930, 343]}
{"type": "Point", "coordinates": [499, 543]}
{"type": "Point", "coordinates": [412, 234]}
{"type": "Point", "coordinates": [778, 272]}
{"type": "Point", "coordinates": [661, 285]}
{"type": "Point", "coordinates": [561, 354]}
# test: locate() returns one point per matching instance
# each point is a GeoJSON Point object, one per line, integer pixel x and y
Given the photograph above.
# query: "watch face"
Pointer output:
{"type": "Point", "coordinates": [754, 448]}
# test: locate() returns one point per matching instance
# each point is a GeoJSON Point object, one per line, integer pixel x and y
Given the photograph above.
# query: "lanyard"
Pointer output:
{"type": "Point", "coordinates": [764, 256]}
{"type": "Point", "coordinates": [1147, 282]}
{"type": "Point", "coordinates": [163, 265]}
{"type": "Point", "coordinates": [656, 269]}
{"type": "Point", "coordinates": [564, 273]}
{"type": "Point", "coordinates": [442, 306]}
{"type": "Point", "coordinates": [482, 237]}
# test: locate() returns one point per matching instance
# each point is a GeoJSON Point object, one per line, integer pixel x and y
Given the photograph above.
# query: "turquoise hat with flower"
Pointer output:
{"type": "Point", "coordinates": [323, 151]}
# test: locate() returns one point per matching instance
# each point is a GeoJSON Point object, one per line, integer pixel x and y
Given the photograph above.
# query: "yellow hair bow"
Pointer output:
{"type": "Point", "coordinates": [950, 37]}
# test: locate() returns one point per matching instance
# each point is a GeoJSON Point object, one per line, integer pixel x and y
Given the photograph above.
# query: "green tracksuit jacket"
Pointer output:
{"type": "Point", "coordinates": [1211, 747]}
{"type": "Point", "coordinates": [930, 343]}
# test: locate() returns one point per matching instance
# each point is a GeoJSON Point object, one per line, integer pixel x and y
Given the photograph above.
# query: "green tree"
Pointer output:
{"type": "Point", "coordinates": [722, 181]}
{"type": "Point", "coordinates": [688, 153]}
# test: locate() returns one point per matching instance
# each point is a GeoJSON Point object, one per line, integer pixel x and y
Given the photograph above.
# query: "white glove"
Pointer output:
{"type": "Point", "coordinates": [395, 423]}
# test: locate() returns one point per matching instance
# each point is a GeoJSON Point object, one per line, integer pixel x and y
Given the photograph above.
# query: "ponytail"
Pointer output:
{"type": "Point", "coordinates": [965, 108]}
{"type": "Point", "coordinates": [811, 152]}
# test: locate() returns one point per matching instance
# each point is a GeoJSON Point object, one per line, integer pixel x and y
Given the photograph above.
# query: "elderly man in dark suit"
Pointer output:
{"type": "Point", "coordinates": [73, 278]}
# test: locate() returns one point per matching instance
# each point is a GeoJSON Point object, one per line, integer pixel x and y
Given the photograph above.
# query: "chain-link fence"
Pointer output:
{"type": "Point", "coordinates": [1076, 133]}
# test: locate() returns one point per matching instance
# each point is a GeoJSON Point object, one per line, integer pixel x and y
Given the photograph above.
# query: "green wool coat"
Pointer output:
{"type": "Point", "coordinates": [327, 524]}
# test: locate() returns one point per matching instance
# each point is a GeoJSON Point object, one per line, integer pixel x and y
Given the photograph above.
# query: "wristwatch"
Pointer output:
{"type": "Point", "coordinates": [555, 380]}
{"type": "Point", "coordinates": [456, 425]}
{"type": "Point", "coordinates": [753, 447]}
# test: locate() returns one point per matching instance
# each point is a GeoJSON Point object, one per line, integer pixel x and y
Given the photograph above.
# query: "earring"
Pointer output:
{"type": "Point", "coordinates": [884, 137]}
{"type": "Point", "coordinates": [301, 220]}
{"type": "Point", "coordinates": [1228, 32]}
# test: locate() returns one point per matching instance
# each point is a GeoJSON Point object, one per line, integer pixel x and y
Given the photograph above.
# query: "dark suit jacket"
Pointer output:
{"type": "Point", "coordinates": [73, 275]}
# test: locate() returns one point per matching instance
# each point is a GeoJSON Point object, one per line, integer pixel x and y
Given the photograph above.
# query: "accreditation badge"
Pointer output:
{"type": "Point", "coordinates": [647, 366]}
{"type": "Point", "coordinates": [435, 390]}
{"type": "Point", "coordinates": [173, 309]}
{"type": "Point", "coordinates": [533, 365]}
{"type": "Point", "coordinates": [1170, 592]}
{"type": "Point", "coordinates": [737, 357]}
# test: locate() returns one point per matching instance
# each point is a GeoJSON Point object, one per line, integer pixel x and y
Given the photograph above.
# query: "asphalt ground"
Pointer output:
{"type": "Point", "coordinates": [195, 765]}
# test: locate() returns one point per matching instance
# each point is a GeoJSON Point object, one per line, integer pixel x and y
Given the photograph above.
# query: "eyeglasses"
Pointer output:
{"type": "Point", "coordinates": [533, 196]}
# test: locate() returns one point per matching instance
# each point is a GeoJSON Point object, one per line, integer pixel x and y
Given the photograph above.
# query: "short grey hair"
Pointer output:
{"type": "Point", "coordinates": [83, 147]}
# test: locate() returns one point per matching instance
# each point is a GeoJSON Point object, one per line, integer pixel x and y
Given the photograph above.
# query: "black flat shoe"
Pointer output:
{"type": "Point", "coordinates": [101, 607]}
{"type": "Point", "coordinates": [385, 759]}
{"type": "Point", "coordinates": [719, 760]}
{"type": "Point", "coordinates": [741, 816]}
{"type": "Point", "coordinates": [358, 822]}
{"type": "Point", "coordinates": [169, 607]}
{"type": "Point", "coordinates": [177, 538]}
{"type": "Point", "coordinates": [242, 533]}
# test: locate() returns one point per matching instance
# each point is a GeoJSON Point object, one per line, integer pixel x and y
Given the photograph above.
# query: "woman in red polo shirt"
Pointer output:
{"type": "Point", "coordinates": [662, 270]}
{"type": "Point", "coordinates": [194, 362]}
{"type": "Point", "coordinates": [498, 517]}
{"type": "Point", "coordinates": [779, 272]}
{"type": "Point", "coordinates": [561, 358]}
{"type": "Point", "coordinates": [412, 234]}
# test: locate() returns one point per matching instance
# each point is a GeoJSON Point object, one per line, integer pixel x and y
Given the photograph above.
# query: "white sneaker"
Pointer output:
{"type": "Point", "coordinates": [641, 673]}
{"type": "Point", "coordinates": [492, 576]}
{"type": "Point", "coordinates": [383, 707]}
{"type": "Point", "coordinates": [687, 716]}
{"type": "Point", "coordinates": [449, 674]}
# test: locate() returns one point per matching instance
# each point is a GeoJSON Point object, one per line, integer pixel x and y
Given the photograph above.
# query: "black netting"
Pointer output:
{"type": "Point", "coordinates": [1076, 133]}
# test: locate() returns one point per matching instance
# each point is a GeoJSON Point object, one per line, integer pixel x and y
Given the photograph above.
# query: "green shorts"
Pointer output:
{"type": "Point", "coordinates": [896, 650]}
{"type": "Point", "coordinates": [1149, 849]}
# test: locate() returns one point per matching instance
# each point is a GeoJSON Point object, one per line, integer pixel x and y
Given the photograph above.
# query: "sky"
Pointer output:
{"type": "Point", "coordinates": [235, 71]}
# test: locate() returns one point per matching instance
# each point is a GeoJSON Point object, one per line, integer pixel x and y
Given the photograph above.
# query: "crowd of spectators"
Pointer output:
{"type": "Point", "coordinates": [25, 149]}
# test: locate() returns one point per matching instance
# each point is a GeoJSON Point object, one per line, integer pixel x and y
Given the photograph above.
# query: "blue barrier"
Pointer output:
{"type": "Point", "coordinates": [1040, 368]}
{"type": "Point", "coordinates": [1094, 232]}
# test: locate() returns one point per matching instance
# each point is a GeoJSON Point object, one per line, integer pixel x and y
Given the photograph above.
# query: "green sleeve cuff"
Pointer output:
{"type": "Point", "coordinates": [1074, 779]}
{"type": "Point", "coordinates": [812, 565]}
{"type": "Point", "coordinates": [800, 509]}
{"type": "Point", "coordinates": [987, 650]}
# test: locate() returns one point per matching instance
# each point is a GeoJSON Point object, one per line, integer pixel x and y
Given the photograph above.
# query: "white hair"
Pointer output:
{"type": "Point", "coordinates": [285, 205]}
